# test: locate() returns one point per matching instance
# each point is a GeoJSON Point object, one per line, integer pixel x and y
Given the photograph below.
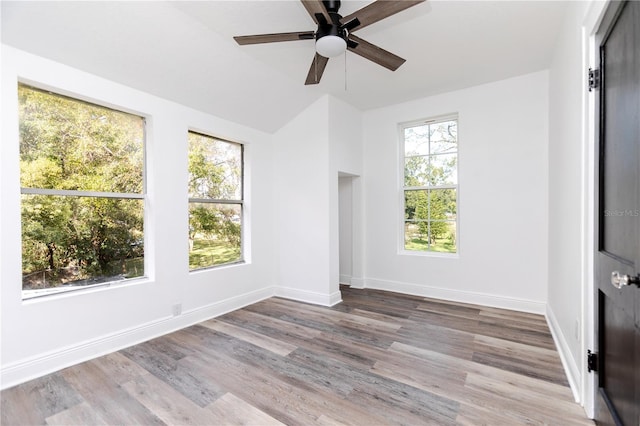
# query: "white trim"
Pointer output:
{"type": "Point", "coordinates": [568, 362]}
{"type": "Point", "coordinates": [423, 187]}
{"type": "Point", "coordinates": [345, 279]}
{"type": "Point", "coordinates": [52, 293]}
{"type": "Point", "coordinates": [357, 282]}
{"type": "Point", "coordinates": [430, 120]}
{"type": "Point", "coordinates": [496, 301]}
{"type": "Point", "coordinates": [215, 201]}
{"type": "Point", "coordinates": [590, 58]}
{"type": "Point", "coordinates": [74, 193]}
{"type": "Point", "coordinates": [440, 254]}
{"type": "Point", "coordinates": [40, 365]}
{"type": "Point", "coordinates": [335, 298]}
{"type": "Point", "coordinates": [306, 296]}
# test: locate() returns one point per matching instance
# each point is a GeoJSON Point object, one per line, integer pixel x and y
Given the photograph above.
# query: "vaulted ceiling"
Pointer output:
{"type": "Point", "coordinates": [184, 50]}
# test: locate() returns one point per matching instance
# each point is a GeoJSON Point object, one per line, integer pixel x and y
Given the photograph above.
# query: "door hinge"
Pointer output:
{"type": "Point", "coordinates": [592, 361]}
{"type": "Point", "coordinates": [594, 79]}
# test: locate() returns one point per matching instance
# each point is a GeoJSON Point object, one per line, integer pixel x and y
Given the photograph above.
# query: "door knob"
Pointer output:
{"type": "Point", "coordinates": [619, 281]}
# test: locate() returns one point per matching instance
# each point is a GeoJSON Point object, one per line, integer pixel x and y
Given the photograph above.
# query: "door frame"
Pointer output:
{"type": "Point", "coordinates": [590, 132]}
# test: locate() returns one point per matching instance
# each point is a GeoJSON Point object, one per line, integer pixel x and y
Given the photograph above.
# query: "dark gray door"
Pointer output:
{"type": "Point", "coordinates": [618, 217]}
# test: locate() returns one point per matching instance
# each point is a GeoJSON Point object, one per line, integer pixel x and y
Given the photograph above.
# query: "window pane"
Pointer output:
{"type": "Point", "coordinates": [215, 168]}
{"type": "Point", "coordinates": [434, 204]}
{"type": "Point", "coordinates": [443, 169]}
{"type": "Point", "coordinates": [443, 236]}
{"type": "Point", "coordinates": [431, 170]}
{"type": "Point", "coordinates": [74, 145]}
{"type": "Point", "coordinates": [416, 140]}
{"type": "Point", "coordinates": [416, 205]}
{"type": "Point", "coordinates": [444, 137]}
{"type": "Point", "coordinates": [215, 232]}
{"type": "Point", "coordinates": [434, 236]}
{"type": "Point", "coordinates": [416, 171]}
{"type": "Point", "coordinates": [415, 236]}
{"type": "Point", "coordinates": [71, 242]}
{"type": "Point", "coordinates": [442, 204]}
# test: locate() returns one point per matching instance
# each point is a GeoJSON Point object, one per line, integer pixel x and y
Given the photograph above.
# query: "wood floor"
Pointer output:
{"type": "Point", "coordinates": [377, 358]}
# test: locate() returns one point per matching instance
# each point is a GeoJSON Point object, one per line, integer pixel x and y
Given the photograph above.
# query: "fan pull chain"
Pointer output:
{"type": "Point", "coordinates": [345, 70]}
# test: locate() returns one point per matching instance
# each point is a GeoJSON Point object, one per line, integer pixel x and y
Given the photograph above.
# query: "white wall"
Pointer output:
{"type": "Point", "coordinates": [302, 197]}
{"type": "Point", "coordinates": [311, 150]}
{"type": "Point", "coordinates": [565, 185]}
{"type": "Point", "coordinates": [345, 159]}
{"type": "Point", "coordinates": [503, 144]}
{"type": "Point", "coordinates": [571, 200]}
{"type": "Point", "coordinates": [41, 335]}
{"type": "Point", "coordinates": [345, 137]}
{"type": "Point", "coordinates": [345, 197]}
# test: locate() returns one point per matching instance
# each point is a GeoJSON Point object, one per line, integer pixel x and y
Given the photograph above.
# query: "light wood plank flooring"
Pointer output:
{"type": "Point", "coordinates": [378, 358]}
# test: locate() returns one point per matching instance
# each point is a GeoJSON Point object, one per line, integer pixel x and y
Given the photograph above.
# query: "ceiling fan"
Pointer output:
{"type": "Point", "coordinates": [334, 33]}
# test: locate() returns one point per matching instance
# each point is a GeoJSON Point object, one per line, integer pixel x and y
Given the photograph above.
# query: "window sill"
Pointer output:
{"type": "Point", "coordinates": [221, 266]}
{"type": "Point", "coordinates": [69, 291]}
{"type": "Point", "coordinates": [433, 254]}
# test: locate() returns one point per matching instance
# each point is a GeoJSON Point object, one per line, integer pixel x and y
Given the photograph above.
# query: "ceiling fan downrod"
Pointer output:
{"type": "Point", "coordinates": [333, 28]}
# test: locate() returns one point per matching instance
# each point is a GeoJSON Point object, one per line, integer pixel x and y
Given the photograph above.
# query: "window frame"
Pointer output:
{"type": "Point", "coordinates": [403, 189]}
{"type": "Point", "coordinates": [143, 195]}
{"type": "Point", "coordinates": [241, 202]}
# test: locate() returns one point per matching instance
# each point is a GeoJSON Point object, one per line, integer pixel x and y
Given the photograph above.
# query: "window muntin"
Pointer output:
{"type": "Point", "coordinates": [215, 201]}
{"type": "Point", "coordinates": [430, 185]}
{"type": "Point", "coordinates": [82, 185]}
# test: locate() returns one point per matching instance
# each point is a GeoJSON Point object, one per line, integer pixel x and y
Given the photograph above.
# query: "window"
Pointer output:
{"type": "Point", "coordinates": [82, 190]}
{"type": "Point", "coordinates": [215, 201]}
{"type": "Point", "coordinates": [430, 185]}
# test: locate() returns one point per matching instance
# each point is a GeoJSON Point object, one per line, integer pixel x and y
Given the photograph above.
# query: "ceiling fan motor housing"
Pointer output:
{"type": "Point", "coordinates": [331, 37]}
{"type": "Point", "coordinates": [330, 29]}
{"type": "Point", "coordinates": [333, 28]}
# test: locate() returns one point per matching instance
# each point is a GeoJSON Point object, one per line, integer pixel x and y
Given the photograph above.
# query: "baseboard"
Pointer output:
{"type": "Point", "coordinates": [22, 371]}
{"type": "Point", "coordinates": [568, 362]}
{"type": "Point", "coordinates": [357, 282]}
{"type": "Point", "coordinates": [511, 303]}
{"type": "Point", "coordinates": [306, 296]}
{"type": "Point", "coordinates": [345, 279]}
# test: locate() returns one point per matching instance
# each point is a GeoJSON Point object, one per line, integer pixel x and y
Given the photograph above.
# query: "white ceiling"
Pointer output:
{"type": "Point", "coordinates": [184, 50]}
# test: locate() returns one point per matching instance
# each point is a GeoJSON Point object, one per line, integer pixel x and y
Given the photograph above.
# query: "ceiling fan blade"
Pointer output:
{"type": "Point", "coordinates": [375, 54]}
{"type": "Point", "coordinates": [378, 10]}
{"type": "Point", "coordinates": [276, 37]}
{"type": "Point", "coordinates": [316, 70]}
{"type": "Point", "coordinates": [316, 7]}
{"type": "Point", "coordinates": [350, 25]}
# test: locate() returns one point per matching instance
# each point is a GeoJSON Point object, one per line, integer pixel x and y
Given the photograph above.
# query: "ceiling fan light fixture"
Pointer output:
{"type": "Point", "coordinates": [331, 46]}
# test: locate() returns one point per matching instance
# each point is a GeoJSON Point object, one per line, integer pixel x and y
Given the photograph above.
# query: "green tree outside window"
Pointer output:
{"type": "Point", "coordinates": [430, 186]}
{"type": "Point", "coordinates": [215, 201]}
{"type": "Point", "coordinates": [82, 185]}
